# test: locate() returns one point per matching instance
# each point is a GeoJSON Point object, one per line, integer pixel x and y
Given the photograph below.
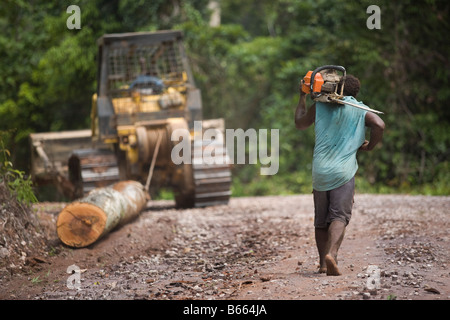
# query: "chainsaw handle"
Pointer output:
{"type": "Point", "coordinates": [313, 75]}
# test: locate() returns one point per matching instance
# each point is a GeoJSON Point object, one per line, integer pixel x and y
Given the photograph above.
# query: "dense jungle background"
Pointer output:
{"type": "Point", "coordinates": [248, 67]}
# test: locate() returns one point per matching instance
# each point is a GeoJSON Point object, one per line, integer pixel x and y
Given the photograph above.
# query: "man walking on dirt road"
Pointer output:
{"type": "Point", "coordinates": [340, 133]}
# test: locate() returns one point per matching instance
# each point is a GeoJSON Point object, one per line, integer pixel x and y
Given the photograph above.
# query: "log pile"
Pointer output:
{"type": "Point", "coordinates": [86, 220]}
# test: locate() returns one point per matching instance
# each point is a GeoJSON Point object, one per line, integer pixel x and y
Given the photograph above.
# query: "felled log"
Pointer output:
{"type": "Point", "coordinates": [86, 220]}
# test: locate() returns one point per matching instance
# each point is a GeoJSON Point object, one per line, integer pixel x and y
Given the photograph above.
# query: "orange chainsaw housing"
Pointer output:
{"type": "Point", "coordinates": [317, 85]}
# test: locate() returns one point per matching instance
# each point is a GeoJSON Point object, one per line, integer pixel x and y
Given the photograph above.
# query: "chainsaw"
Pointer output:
{"type": "Point", "coordinates": [324, 83]}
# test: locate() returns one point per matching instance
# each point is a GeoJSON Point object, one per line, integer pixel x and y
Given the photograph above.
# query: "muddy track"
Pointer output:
{"type": "Point", "coordinates": [254, 248]}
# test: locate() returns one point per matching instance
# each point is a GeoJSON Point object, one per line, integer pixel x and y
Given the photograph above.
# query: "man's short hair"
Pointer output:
{"type": "Point", "coordinates": [351, 86]}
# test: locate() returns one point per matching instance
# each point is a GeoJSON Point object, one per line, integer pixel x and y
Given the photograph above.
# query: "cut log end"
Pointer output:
{"type": "Point", "coordinates": [80, 224]}
{"type": "Point", "coordinates": [85, 221]}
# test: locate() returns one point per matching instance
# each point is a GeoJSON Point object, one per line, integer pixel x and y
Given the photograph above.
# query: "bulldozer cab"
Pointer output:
{"type": "Point", "coordinates": [143, 77]}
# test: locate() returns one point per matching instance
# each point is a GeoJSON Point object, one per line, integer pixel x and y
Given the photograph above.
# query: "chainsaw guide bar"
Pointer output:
{"type": "Point", "coordinates": [356, 105]}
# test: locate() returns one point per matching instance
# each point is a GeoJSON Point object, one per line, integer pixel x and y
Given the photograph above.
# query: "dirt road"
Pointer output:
{"type": "Point", "coordinates": [254, 248]}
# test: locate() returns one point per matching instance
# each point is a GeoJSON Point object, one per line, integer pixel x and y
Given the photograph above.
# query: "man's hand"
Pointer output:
{"type": "Point", "coordinates": [364, 146]}
{"type": "Point", "coordinates": [300, 87]}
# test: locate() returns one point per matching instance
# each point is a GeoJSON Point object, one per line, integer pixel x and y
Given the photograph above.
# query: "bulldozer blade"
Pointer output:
{"type": "Point", "coordinates": [356, 105]}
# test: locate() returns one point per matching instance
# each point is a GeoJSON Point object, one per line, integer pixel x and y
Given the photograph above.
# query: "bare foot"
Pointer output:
{"type": "Point", "coordinates": [322, 270]}
{"type": "Point", "coordinates": [332, 268]}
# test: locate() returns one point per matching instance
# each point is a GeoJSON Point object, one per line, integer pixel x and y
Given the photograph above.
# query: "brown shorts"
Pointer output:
{"type": "Point", "coordinates": [333, 205]}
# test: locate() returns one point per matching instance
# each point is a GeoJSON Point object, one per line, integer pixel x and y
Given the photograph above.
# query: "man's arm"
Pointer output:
{"type": "Point", "coordinates": [376, 125]}
{"type": "Point", "coordinates": [304, 118]}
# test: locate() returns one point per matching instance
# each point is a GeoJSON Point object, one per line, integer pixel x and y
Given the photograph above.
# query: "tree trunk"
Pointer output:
{"type": "Point", "coordinates": [86, 220]}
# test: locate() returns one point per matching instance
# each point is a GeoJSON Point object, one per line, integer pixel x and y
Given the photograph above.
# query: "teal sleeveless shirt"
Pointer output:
{"type": "Point", "coordinates": [340, 131]}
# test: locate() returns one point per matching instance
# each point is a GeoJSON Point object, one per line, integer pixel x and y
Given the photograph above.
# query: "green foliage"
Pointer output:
{"type": "Point", "coordinates": [248, 69]}
{"type": "Point", "coordinates": [398, 75]}
{"type": "Point", "coordinates": [14, 179]}
{"type": "Point", "coordinates": [36, 280]}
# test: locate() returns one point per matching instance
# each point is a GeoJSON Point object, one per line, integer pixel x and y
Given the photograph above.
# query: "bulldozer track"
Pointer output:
{"type": "Point", "coordinates": [212, 178]}
{"type": "Point", "coordinates": [93, 168]}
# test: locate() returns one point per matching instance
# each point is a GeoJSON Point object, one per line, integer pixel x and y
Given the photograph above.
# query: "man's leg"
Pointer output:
{"type": "Point", "coordinates": [322, 246]}
{"type": "Point", "coordinates": [321, 204]}
{"type": "Point", "coordinates": [336, 232]}
{"type": "Point", "coordinates": [340, 210]}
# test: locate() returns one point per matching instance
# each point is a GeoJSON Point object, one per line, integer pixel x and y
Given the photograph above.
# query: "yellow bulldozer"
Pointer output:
{"type": "Point", "coordinates": [145, 91]}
